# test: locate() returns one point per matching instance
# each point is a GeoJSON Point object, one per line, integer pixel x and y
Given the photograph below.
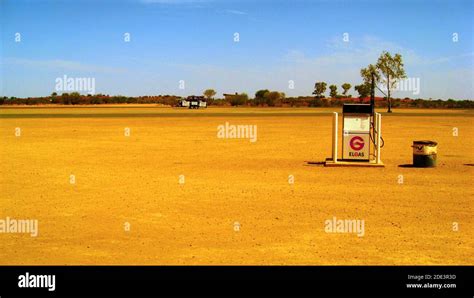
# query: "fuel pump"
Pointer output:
{"type": "Point", "coordinates": [357, 119]}
{"type": "Point", "coordinates": [361, 135]}
{"type": "Point", "coordinates": [359, 129]}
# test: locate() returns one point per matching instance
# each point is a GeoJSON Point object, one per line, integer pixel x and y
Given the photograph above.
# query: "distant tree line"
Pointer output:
{"type": "Point", "coordinates": [75, 98]}
{"type": "Point", "coordinates": [262, 98]}
{"type": "Point", "coordinates": [268, 98]}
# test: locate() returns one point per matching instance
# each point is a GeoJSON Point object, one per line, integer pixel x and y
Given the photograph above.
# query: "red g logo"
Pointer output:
{"type": "Point", "coordinates": [356, 143]}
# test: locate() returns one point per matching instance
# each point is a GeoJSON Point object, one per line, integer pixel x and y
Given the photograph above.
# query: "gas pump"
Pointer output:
{"type": "Point", "coordinates": [357, 119]}
{"type": "Point", "coordinates": [361, 135]}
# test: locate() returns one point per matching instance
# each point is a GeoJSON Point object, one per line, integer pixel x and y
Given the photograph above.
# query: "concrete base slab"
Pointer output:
{"type": "Point", "coordinates": [345, 163]}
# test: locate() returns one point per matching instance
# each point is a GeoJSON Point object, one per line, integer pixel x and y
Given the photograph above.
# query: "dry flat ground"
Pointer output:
{"type": "Point", "coordinates": [135, 179]}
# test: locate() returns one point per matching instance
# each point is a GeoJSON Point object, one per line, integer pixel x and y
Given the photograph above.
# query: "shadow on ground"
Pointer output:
{"type": "Point", "coordinates": [314, 163]}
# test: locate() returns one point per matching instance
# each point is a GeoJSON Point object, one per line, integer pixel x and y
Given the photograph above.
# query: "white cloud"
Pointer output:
{"type": "Point", "coordinates": [234, 11]}
{"type": "Point", "coordinates": [344, 60]}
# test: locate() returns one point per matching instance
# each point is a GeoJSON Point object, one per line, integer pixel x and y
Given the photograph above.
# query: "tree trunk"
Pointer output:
{"type": "Point", "coordinates": [388, 96]}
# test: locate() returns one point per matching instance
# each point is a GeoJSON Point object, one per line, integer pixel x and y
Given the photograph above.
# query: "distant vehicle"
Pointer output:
{"type": "Point", "coordinates": [193, 102]}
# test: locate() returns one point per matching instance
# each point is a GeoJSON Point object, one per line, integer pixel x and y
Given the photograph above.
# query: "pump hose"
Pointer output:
{"type": "Point", "coordinates": [372, 138]}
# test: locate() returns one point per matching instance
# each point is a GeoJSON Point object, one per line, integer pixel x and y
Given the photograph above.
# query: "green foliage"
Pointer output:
{"type": "Point", "coordinates": [260, 97]}
{"type": "Point", "coordinates": [274, 97]}
{"type": "Point", "coordinates": [74, 98]}
{"type": "Point", "coordinates": [239, 99]}
{"type": "Point", "coordinates": [269, 98]}
{"type": "Point", "coordinates": [363, 90]}
{"type": "Point", "coordinates": [319, 89]}
{"type": "Point", "coordinates": [388, 70]}
{"type": "Point", "coordinates": [346, 87]}
{"type": "Point", "coordinates": [366, 74]}
{"type": "Point", "coordinates": [209, 94]}
{"type": "Point", "coordinates": [333, 92]}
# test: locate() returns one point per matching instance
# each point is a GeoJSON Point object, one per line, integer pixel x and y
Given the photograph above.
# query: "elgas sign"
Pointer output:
{"type": "Point", "coordinates": [356, 147]}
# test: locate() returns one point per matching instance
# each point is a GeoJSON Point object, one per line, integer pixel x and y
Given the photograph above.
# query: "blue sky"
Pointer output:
{"type": "Point", "coordinates": [193, 40]}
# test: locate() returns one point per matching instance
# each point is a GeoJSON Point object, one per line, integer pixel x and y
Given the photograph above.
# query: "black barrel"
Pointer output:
{"type": "Point", "coordinates": [425, 154]}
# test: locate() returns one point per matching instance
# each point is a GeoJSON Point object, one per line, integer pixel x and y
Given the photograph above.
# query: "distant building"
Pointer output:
{"type": "Point", "coordinates": [183, 103]}
{"type": "Point", "coordinates": [193, 102]}
{"type": "Point", "coordinates": [228, 97]}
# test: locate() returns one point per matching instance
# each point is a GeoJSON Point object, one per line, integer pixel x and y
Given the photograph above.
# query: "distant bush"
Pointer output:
{"type": "Point", "coordinates": [239, 99]}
